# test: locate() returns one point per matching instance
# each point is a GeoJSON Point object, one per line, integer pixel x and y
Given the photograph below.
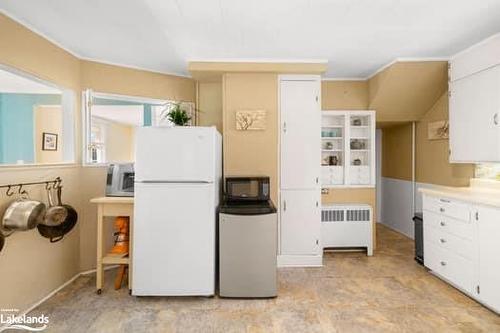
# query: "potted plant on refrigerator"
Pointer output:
{"type": "Point", "coordinates": [176, 114]}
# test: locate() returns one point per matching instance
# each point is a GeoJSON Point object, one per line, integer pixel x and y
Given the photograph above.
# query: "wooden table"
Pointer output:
{"type": "Point", "coordinates": [112, 206]}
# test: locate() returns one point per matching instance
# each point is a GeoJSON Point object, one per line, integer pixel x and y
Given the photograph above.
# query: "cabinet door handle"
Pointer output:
{"type": "Point", "coordinates": [495, 118]}
{"type": "Point", "coordinates": [284, 127]}
{"type": "Point", "coordinates": [284, 205]}
{"type": "Point", "coordinates": [443, 263]}
{"type": "Point", "coordinates": [441, 210]}
{"type": "Point", "coordinates": [444, 200]}
{"type": "Point", "coordinates": [442, 241]}
{"type": "Point", "coordinates": [442, 224]}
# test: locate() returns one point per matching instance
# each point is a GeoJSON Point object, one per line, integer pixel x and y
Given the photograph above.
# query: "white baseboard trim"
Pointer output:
{"type": "Point", "coordinates": [285, 260]}
{"type": "Point", "coordinates": [55, 291]}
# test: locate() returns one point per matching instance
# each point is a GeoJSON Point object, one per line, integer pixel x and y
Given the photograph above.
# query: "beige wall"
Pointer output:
{"type": "Point", "coordinates": [48, 119]}
{"type": "Point", "coordinates": [405, 91]}
{"type": "Point", "coordinates": [126, 81]}
{"type": "Point", "coordinates": [396, 151]}
{"type": "Point", "coordinates": [251, 152]}
{"type": "Point", "coordinates": [209, 104]}
{"type": "Point", "coordinates": [432, 164]}
{"type": "Point", "coordinates": [344, 95]}
{"type": "Point", "coordinates": [119, 142]}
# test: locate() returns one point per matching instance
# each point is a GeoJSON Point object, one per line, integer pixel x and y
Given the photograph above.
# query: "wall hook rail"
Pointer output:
{"type": "Point", "coordinates": [55, 183]}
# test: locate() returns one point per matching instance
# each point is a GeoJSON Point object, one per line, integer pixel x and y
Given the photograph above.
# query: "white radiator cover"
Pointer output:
{"type": "Point", "coordinates": [347, 226]}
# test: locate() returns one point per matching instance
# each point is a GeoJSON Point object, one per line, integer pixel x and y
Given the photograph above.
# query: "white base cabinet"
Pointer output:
{"type": "Point", "coordinates": [300, 231]}
{"type": "Point", "coordinates": [489, 256]}
{"type": "Point", "coordinates": [461, 245]}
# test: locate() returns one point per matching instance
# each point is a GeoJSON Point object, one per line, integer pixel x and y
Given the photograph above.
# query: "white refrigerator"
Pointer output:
{"type": "Point", "coordinates": [178, 172]}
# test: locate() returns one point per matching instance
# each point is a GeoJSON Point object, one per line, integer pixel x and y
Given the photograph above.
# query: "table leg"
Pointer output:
{"type": "Point", "coordinates": [100, 246]}
{"type": "Point", "coordinates": [130, 249]}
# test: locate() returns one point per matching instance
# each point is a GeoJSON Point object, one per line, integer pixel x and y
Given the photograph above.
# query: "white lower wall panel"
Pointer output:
{"type": "Point", "coordinates": [397, 210]}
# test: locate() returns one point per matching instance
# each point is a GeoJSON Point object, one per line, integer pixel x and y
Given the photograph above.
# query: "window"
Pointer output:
{"type": "Point", "coordinates": [110, 125]}
{"type": "Point", "coordinates": [97, 143]}
{"type": "Point", "coordinates": [36, 120]}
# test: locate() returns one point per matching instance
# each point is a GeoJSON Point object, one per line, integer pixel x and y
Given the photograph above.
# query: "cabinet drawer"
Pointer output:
{"type": "Point", "coordinates": [448, 207]}
{"type": "Point", "coordinates": [452, 243]}
{"type": "Point", "coordinates": [453, 268]}
{"type": "Point", "coordinates": [449, 225]}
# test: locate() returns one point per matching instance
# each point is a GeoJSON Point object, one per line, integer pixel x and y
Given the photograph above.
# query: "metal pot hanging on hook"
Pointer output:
{"type": "Point", "coordinates": [23, 213]}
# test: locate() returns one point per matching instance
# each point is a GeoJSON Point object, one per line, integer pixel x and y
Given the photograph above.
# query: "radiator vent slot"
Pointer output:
{"type": "Point", "coordinates": [336, 213]}
{"type": "Point", "coordinates": [358, 215]}
{"type": "Point", "coordinates": [332, 215]}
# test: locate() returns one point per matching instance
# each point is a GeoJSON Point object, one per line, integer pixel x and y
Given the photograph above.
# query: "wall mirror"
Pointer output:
{"type": "Point", "coordinates": [36, 120]}
{"type": "Point", "coordinates": [111, 122]}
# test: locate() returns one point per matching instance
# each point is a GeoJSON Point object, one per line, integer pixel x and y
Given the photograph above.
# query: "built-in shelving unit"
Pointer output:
{"type": "Point", "coordinates": [348, 148]}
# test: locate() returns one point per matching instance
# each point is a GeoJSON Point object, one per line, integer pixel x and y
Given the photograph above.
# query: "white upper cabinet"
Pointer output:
{"type": "Point", "coordinates": [475, 104]}
{"type": "Point", "coordinates": [475, 59]}
{"type": "Point", "coordinates": [474, 117]}
{"type": "Point", "coordinates": [300, 106]}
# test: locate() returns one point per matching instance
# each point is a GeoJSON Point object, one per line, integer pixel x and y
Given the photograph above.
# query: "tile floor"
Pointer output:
{"type": "Point", "coordinates": [351, 293]}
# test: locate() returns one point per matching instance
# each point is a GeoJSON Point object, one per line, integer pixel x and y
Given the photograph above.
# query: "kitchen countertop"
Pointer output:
{"type": "Point", "coordinates": [480, 192]}
{"type": "Point", "coordinates": [113, 200]}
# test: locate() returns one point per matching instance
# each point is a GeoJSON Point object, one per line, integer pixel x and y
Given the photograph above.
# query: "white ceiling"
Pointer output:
{"type": "Point", "coordinates": [356, 36]}
{"type": "Point", "coordinates": [12, 83]}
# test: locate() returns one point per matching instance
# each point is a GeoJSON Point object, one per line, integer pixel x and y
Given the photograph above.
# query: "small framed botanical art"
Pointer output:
{"type": "Point", "coordinates": [250, 120]}
{"type": "Point", "coordinates": [438, 130]}
{"type": "Point", "coordinates": [49, 141]}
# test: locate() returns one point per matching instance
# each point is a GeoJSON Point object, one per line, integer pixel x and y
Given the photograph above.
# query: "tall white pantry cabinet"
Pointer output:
{"type": "Point", "coordinates": [300, 152]}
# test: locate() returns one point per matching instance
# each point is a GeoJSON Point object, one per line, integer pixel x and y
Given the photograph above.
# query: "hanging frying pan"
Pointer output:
{"type": "Point", "coordinates": [56, 213]}
{"type": "Point", "coordinates": [57, 233]}
{"type": "Point", "coordinates": [2, 242]}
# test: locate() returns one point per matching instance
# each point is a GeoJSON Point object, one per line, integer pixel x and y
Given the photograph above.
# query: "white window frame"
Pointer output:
{"type": "Point", "coordinates": [87, 96]}
{"type": "Point", "coordinates": [68, 135]}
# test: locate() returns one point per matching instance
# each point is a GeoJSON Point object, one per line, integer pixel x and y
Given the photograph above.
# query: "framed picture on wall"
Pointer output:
{"type": "Point", "coordinates": [49, 141]}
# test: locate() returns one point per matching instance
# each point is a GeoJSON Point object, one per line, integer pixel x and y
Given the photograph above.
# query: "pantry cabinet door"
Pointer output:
{"type": "Point", "coordinates": [300, 222]}
{"type": "Point", "coordinates": [300, 133]}
{"type": "Point", "coordinates": [489, 256]}
{"type": "Point", "coordinates": [474, 117]}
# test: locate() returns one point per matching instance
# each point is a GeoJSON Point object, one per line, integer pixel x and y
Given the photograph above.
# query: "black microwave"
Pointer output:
{"type": "Point", "coordinates": [247, 188]}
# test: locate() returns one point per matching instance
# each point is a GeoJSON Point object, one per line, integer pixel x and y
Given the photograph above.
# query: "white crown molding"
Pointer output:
{"type": "Point", "coordinates": [38, 32]}
{"type": "Point", "coordinates": [407, 59]}
{"type": "Point", "coordinates": [260, 60]}
{"type": "Point", "coordinates": [145, 69]}
{"type": "Point", "coordinates": [343, 79]}
{"type": "Point", "coordinates": [389, 64]}
{"type": "Point", "coordinates": [236, 60]}
{"type": "Point", "coordinates": [81, 57]}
